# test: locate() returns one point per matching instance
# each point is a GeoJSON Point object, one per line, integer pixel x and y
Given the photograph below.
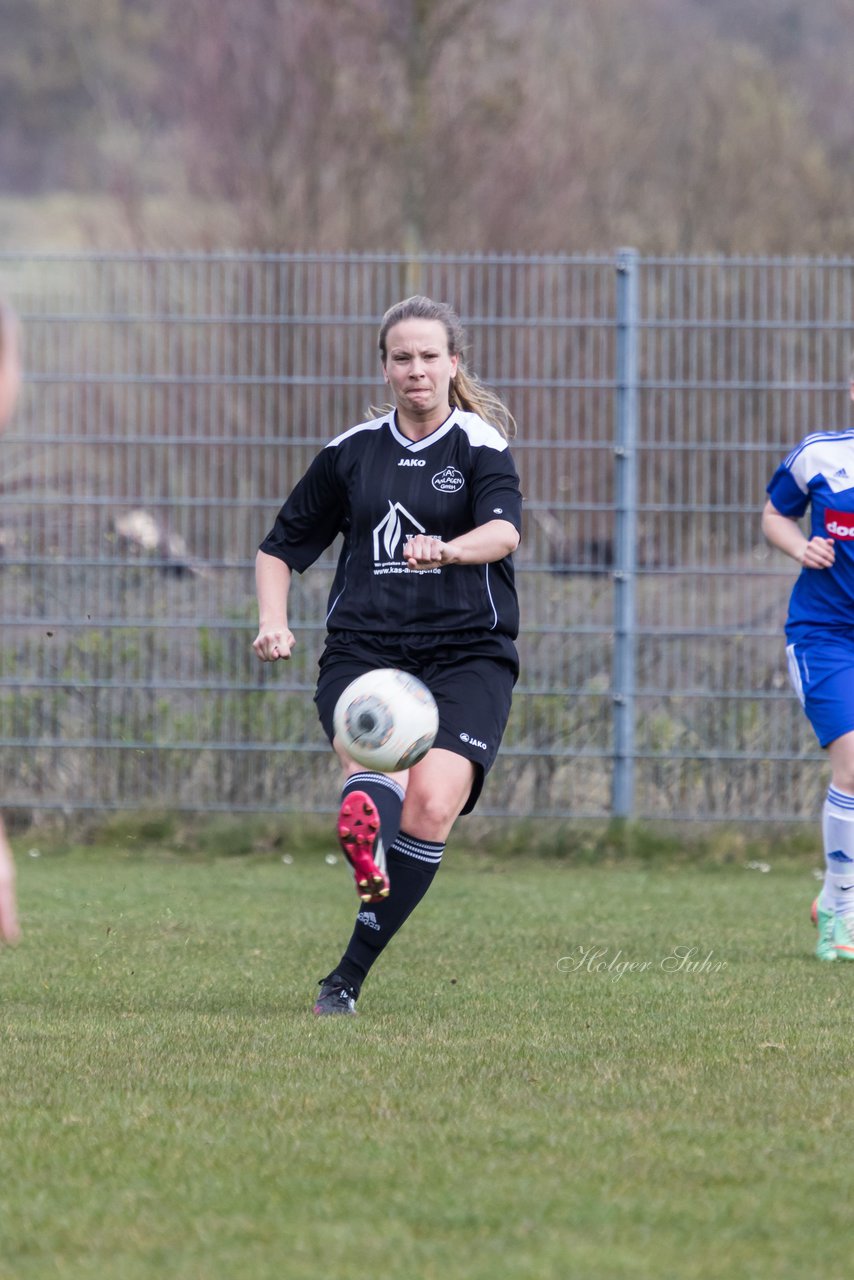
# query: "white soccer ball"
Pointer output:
{"type": "Point", "coordinates": [386, 720]}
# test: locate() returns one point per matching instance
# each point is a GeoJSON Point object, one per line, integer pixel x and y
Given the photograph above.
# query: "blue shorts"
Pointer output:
{"type": "Point", "coordinates": [822, 673]}
{"type": "Point", "coordinates": [470, 676]}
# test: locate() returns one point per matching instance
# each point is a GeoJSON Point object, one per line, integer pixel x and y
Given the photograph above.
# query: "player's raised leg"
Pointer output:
{"type": "Point", "coordinates": [438, 788]}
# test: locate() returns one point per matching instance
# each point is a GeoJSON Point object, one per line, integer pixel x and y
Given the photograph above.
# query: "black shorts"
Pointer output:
{"type": "Point", "coordinates": [470, 674]}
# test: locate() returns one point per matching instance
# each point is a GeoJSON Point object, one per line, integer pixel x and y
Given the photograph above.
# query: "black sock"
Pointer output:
{"type": "Point", "coordinates": [412, 864]}
{"type": "Point", "coordinates": [386, 794]}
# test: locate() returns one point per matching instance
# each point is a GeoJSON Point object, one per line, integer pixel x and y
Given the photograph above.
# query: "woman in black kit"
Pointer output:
{"type": "Point", "coordinates": [427, 499]}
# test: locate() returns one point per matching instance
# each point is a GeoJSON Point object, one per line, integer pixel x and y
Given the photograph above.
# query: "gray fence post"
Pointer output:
{"type": "Point", "coordinates": [625, 536]}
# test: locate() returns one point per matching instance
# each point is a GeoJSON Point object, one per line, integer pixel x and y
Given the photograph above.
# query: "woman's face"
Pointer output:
{"type": "Point", "coordinates": [419, 368]}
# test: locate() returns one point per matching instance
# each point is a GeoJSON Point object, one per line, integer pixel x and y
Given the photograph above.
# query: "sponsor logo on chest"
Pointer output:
{"type": "Point", "coordinates": [839, 525]}
{"type": "Point", "coordinates": [412, 462]}
{"type": "Point", "coordinates": [448, 481]}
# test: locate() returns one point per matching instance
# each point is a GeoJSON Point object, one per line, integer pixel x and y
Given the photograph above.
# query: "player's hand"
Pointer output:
{"type": "Point", "coordinates": [819, 553]}
{"type": "Point", "coordinates": [273, 643]}
{"type": "Point", "coordinates": [422, 552]}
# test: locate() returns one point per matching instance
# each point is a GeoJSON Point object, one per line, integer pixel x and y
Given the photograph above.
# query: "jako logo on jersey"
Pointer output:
{"type": "Point", "coordinates": [473, 742]}
{"type": "Point", "coordinates": [412, 462]}
{"type": "Point", "coordinates": [390, 530]}
{"type": "Point", "coordinates": [448, 481]}
{"type": "Point", "coordinates": [839, 525]}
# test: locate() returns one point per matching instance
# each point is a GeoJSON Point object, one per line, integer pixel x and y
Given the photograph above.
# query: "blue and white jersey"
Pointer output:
{"type": "Point", "coordinates": [377, 488]}
{"type": "Point", "coordinates": [819, 474]}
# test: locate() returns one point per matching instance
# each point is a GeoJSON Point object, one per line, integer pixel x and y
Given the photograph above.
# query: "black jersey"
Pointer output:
{"type": "Point", "coordinates": [377, 488]}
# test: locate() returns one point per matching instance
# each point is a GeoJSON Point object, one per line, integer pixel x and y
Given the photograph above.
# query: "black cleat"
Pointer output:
{"type": "Point", "coordinates": [336, 996]}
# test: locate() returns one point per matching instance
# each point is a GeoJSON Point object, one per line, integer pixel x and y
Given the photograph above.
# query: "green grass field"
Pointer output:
{"type": "Point", "coordinates": [539, 1083]}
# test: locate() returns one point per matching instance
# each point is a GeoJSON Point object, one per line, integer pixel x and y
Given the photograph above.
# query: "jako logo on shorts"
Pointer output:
{"type": "Point", "coordinates": [839, 525]}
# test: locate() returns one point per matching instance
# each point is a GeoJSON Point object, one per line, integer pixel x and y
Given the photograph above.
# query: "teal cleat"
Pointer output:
{"type": "Point", "coordinates": [843, 937]}
{"type": "Point", "coordinates": [825, 922]}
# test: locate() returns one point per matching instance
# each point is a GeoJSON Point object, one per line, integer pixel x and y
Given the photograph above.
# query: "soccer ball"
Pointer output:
{"type": "Point", "coordinates": [386, 720]}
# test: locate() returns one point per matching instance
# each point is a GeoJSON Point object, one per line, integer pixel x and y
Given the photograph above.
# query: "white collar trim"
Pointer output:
{"type": "Point", "coordinates": [416, 446]}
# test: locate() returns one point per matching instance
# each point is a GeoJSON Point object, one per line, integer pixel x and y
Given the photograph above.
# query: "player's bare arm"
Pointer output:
{"type": "Point", "coordinates": [785, 534]}
{"type": "Point", "coordinates": [272, 581]}
{"type": "Point", "coordinates": [484, 545]}
{"type": "Point", "coordinates": [9, 928]}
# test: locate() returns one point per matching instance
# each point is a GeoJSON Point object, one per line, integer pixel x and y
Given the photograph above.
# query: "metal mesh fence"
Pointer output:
{"type": "Point", "coordinates": [737, 362]}
{"type": "Point", "coordinates": [171, 402]}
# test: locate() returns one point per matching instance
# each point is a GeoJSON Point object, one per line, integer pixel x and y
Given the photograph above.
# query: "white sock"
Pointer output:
{"type": "Point", "coordinates": [837, 826]}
